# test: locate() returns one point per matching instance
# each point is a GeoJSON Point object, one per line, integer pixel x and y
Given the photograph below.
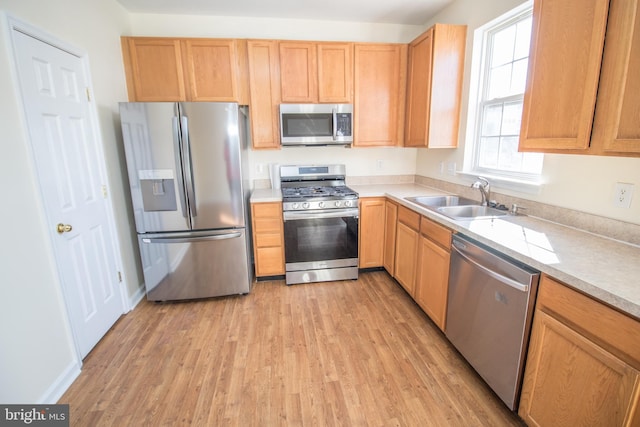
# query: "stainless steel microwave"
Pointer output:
{"type": "Point", "coordinates": [316, 124]}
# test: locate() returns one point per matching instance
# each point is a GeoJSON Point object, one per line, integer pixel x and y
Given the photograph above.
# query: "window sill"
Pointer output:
{"type": "Point", "coordinates": [522, 186]}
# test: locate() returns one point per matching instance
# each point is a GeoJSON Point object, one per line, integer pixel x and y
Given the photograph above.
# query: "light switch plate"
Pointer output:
{"type": "Point", "coordinates": [622, 195]}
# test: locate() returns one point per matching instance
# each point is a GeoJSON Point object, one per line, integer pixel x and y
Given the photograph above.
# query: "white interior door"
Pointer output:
{"type": "Point", "coordinates": [70, 168]}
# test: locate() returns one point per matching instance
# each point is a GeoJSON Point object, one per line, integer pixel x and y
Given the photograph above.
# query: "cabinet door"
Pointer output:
{"type": "Point", "coordinates": [298, 72]}
{"type": "Point", "coordinates": [264, 93]}
{"type": "Point", "coordinates": [564, 68]}
{"type": "Point", "coordinates": [432, 281]}
{"type": "Point", "coordinates": [616, 127]}
{"type": "Point", "coordinates": [390, 223]}
{"type": "Point", "coordinates": [212, 68]}
{"type": "Point", "coordinates": [379, 79]}
{"type": "Point", "coordinates": [406, 257]}
{"type": "Point", "coordinates": [154, 69]}
{"type": "Point", "coordinates": [335, 72]}
{"type": "Point", "coordinates": [570, 381]}
{"type": "Point", "coordinates": [419, 90]}
{"type": "Point", "coordinates": [434, 90]}
{"type": "Point", "coordinates": [372, 222]}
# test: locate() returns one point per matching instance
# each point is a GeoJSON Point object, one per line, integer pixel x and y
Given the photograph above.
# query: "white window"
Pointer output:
{"type": "Point", "coordinates": [501, 85]}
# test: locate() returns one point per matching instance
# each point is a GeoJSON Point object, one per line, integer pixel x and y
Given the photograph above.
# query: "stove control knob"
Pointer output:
{"type": "Point", "coordinates": [305, 205]}
{"type": "Point", "coordinates": [295, 205]}
{"type": "Point", "coordinates": [347, 203]}
{"type": "Point", "coordinates": [338, 203]}
{"type": "Point", "coordinates": [321, 204]}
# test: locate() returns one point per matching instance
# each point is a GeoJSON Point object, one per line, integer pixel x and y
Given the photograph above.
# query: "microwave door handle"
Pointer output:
{"type": "Point", "coordinates": [176, 154]}
{"type": "Point", "coordinates": [334, 113]}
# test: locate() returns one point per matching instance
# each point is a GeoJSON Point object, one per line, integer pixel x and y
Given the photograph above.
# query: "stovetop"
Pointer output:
{"type": "Point", "coordinates": [307, 193]}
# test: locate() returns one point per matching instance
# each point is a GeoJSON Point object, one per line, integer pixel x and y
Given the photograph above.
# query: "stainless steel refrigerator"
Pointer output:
{"type": "Point", "coordinates": [187, 165]}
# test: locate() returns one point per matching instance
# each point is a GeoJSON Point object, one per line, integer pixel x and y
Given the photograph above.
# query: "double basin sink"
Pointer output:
{"type": "Point", "coordinates": [456, 207]}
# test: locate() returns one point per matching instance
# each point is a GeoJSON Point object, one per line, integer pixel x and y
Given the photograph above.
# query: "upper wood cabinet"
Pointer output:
{"type": "Point", "coordinates": [264, 93]}
{"type": "Point", "coordinates": [379, 94]}
{"type": "Point", "coordinates": [616, 128]}
{"type": "Point", "coordinates": [582, 94]}
{"type": "Point", "coordinates": [168, 69]}
{"type": "Point", "coordinates": [582, 364]}
{"type": "Point", "coordinates": [313, 72]}
{"type": "Point", "coordinates": [434, 88]}
{"type": "Point", "coordinates": [153, 68]}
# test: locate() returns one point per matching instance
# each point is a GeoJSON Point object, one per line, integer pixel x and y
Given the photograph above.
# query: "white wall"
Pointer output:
{"type": "Point", "coordinates": [583, 183]}
{"type": "Point", "coordinates": [37, 353]}
{"type": "Point", "coordinates": [359, 162]}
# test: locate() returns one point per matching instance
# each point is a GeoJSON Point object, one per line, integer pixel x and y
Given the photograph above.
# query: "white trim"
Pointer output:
{"type": "Point", "coordinates": [61, 384]}
{"type": "Point", "coordinates": [135, 299]}
{"type": "Point", "coordinates": [497, 181]}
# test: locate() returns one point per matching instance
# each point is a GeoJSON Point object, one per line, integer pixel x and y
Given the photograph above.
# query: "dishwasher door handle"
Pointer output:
{"type": "Point", "coordinates": [506, 280]}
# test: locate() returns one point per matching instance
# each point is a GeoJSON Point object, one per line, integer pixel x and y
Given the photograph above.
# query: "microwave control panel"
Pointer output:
{"type": "Point", "coordinates": [343, 125]}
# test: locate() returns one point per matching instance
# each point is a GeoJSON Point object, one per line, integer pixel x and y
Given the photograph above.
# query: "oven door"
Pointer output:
{"type": "Point", "coordinates": [321, 245]}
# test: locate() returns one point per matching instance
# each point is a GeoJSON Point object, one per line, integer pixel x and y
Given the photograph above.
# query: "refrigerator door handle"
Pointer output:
{"type": "Point", "coordinates": [176, 154]}
{"type": "Point", "coordinates": [183, 239]}
{"type": "Point", "coordinates": [188, 170]}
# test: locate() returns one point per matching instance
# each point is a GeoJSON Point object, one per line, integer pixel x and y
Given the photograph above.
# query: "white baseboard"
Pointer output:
{"type": "Point", "coordinates": [137, 297]}
{"type": "Point", "coordinates": [61, 384]}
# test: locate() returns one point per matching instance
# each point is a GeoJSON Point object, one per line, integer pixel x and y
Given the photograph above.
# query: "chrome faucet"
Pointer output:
{"type": "Point", "coordinates": [483, 185]}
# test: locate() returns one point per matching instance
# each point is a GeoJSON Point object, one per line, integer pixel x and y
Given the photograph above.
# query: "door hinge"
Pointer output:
{"type": "Point", "coordinates": [88, 95]}
{"type": "Point", "coordinates": [104, 191]}
{"type": "Point", "coordinates": [119, 277]}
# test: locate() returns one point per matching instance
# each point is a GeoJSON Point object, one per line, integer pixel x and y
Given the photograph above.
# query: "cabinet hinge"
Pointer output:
{"type": "Point", "coordinates": [88, 95]}
{"type": "Point", "coordinates": [119, 277]}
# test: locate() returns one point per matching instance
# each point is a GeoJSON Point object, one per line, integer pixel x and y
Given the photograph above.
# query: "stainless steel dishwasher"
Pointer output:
{"type": "Point", "coordinates": [489, 311]}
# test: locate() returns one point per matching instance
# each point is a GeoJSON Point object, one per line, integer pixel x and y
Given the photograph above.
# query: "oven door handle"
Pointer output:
{"type": "Point", "coordinates": [333, 213]}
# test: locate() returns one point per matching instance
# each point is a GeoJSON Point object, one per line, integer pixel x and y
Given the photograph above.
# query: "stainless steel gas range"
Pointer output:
{"type": "Point", "coordinates": [320, 224]}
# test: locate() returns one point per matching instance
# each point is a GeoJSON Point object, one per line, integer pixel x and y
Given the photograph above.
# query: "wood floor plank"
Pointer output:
{"type": "Point", "coordinates": [345, 353]}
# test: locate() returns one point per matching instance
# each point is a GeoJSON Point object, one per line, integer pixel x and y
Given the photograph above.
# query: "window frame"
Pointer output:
{"type": "Point", "coordinates": [481, 102]}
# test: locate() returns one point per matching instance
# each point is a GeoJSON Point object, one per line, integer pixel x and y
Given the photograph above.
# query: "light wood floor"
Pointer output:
{"type": "Point", "coordinates": [341, 353]}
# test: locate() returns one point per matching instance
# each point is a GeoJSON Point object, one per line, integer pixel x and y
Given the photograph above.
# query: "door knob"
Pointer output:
{"type": "Point", "coordinates": [63, 228]}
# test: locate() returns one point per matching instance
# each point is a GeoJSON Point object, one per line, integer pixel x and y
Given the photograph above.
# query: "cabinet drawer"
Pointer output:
{"type": "Point", "coordinates": [264, 240]}
{"type": "Point", "coordinates": [265, 225]}
{"type": "Point", "coordinates": [614, 331]}
{"type": "Point", "coordinates": [267, 210]}
{"type": "Point", "coordinates": [436, 232]}
{"type": "Point", "coordinates": [409, 218]}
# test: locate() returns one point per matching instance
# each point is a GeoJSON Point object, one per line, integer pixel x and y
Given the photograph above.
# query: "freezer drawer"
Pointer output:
{"type": "Point", "coordinates": [179, 266]}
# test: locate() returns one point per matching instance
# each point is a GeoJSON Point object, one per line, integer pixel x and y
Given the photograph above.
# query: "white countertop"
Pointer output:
{"type": "Point", "coordinates": [604, 268]}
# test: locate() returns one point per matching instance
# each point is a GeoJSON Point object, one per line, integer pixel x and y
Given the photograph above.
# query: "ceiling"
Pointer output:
{"type": "Point", "coordinates": [406, 12]}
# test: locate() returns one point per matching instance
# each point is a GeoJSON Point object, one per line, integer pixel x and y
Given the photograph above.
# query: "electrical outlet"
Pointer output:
{"type": "Point", "coordinates": [622, 195]}
{"type": "Point", "coordinates": [451, 168]}
{"type": "Point", "coordinates": [379, 165]}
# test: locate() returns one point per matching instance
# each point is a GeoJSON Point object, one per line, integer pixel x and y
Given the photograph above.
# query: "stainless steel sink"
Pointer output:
{"type": "Point", "coordinates": [457, 207]}
{"type": "Point", "coordinates": [470, 211]}
{"type": "Point", "coordinates": [439, 201]}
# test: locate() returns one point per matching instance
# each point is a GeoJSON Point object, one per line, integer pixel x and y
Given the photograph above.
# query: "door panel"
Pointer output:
{"type": "Point", "coordinates": [153, 163]}
{"type": "Point", "coordinates": [216, 174]}
{"type": "Point", "coordinates": [70, 169]}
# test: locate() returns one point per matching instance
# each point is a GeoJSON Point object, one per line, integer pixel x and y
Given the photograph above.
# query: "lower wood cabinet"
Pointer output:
{"type": "Point", "coordinates": [407, 239]}
{"type": "Point", "coordinates": [268, 238]}
{"type": "Point", "coordinates": [371, 235]}
{"type": "Point", "coordinates": [390, 224]}
{"type": "Point", "coordinates": [583, 362]}
{"type": "Point", "coordinates": [432, 278]}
